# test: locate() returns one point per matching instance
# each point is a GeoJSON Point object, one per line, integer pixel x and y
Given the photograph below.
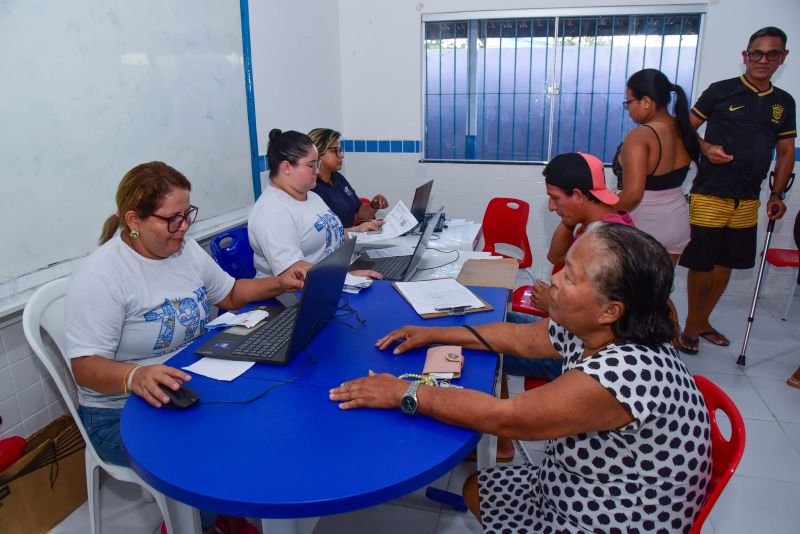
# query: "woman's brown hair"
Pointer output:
{"type": "Point", "coordinates": [141, 190]}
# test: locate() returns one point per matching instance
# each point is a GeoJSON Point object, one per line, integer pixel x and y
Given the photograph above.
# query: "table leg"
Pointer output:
{"type": "Point", "coordinates": [185, 518]}
{"type": "Point", "coordinates": [303, 525]}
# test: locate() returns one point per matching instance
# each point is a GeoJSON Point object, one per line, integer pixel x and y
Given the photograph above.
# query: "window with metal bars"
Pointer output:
{"type": "Point", "coordinates": [527, 89]}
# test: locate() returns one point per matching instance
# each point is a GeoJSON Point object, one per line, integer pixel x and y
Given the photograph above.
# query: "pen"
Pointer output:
{"type": "Point", "coordinates": [454, 310]}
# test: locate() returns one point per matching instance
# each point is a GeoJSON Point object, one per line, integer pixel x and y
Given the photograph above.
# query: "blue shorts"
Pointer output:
{"type": "Point", "coordinates": [533, 367]}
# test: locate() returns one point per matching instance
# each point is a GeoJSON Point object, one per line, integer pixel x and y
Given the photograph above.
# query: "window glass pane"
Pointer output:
{"type": "Point", "coordinates": [486, 95]}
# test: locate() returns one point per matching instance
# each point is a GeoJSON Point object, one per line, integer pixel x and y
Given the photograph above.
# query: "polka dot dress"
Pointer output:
{"type": "Point", "coordinates": [649, 476]}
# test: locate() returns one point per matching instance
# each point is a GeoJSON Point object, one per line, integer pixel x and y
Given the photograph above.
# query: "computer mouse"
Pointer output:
{"type": "Point", "coordinates": [181, 399]}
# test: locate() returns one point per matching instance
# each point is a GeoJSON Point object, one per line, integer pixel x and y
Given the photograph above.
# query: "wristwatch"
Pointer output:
{"type": "Point", "coordinates": [781, 195]}
{"type": "Point", "coordinates": [408, 403]}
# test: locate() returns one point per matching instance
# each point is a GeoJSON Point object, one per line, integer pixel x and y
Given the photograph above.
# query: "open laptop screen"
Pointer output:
{"type": "Point", "coordinates": [420, 203]}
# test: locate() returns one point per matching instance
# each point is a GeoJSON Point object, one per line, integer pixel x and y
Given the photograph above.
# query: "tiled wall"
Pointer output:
{"type": "Point", "coordinates": [28, 397]}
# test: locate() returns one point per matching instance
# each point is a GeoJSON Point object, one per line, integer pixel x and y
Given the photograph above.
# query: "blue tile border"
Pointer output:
{"type": "Point", "coordinates": [383, 146]}
{"type": "Point", "coordinates": [372, 146]}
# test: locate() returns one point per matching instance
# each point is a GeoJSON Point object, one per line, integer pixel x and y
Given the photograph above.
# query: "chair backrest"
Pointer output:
{"type": "Point", "coordinates": [725, 453]}
{"type": "Point", "coordinates": [232, 251]}
{"type": "Point", "coordinates": [505, 223]}
{"type": "Point", "coordinates": [46, 310]}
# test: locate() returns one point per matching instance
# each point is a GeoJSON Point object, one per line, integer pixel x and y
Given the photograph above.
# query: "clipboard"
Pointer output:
{"type": "Point", "coordinates": [452, 311]}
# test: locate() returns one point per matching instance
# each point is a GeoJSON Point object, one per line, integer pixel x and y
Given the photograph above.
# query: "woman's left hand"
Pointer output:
{"type": "Point", "coordinates": [369, 273]}
{"type": "Point", "coordinates": [379, 202]}
{"type": "Point", "coordinates": [373, 391]}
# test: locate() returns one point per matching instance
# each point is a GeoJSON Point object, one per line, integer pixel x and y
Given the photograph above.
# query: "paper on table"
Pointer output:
{"type": "Point", "coordinates": [353, 284]}
{"type": "Point", "coordinates": [397, 222]}
{"type": "Point", "coordinates": [248, 319]}
{"type": "Point", "coordinates": [399, 250]}
{"type": "Point", "coordinates": [219, 369]}
{"type": "Point", "coordinates": [431, 296]}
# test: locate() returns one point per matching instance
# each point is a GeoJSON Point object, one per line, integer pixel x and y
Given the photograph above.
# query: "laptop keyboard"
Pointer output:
{"type": "Point", "coordinates": [394, 267]}
{"type": "Point", "coordinates": [269, 339]}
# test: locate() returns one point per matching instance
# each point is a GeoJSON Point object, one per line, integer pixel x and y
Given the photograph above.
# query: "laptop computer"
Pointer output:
{"type": "Point", "coordinates": [400, 268]}
{"type": "Point", "coordinates": [420, 203]}
{"type": "Point", "coordinates": [287, 332]}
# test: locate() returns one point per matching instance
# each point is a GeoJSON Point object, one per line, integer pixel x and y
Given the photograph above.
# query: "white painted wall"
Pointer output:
{"type": "Point", "coordinates": [296, 65]}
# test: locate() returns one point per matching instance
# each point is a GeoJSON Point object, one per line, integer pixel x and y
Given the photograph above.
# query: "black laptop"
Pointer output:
{"type": "Point", "coordinates": [420, 203]}
{"type": "Point", "coordinates": [398, 267]}
{"type": "Point", "coordinates": [287, 332]}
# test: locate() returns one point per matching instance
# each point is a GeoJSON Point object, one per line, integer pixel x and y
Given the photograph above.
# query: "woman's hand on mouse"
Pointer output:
{"type": "Point", "coordinates": [147, 378]}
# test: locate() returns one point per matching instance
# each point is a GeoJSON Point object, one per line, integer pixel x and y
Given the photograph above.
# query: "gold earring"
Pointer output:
{"type": "Point", "coordinates": [134, 234]}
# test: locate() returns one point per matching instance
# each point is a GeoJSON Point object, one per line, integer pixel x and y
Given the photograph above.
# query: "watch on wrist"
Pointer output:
{"type": "Point", "coordinates": [781, 195]}
{"type": "Point", "coordinates": [408, 403]}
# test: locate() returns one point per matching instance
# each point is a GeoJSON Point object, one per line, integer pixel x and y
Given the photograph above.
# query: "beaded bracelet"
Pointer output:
{"type": "Point", "coordinates": [429, 381]}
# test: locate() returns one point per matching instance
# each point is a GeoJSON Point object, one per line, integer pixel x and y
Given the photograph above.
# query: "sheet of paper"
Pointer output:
{"type": "Point", "coordinates": [397, 222]}
{"type": "Point", "coordinates": [218, 369]}
{"type": "Point", "coordinates": [433, 296]}
{"type": "Point", "coordinates": [399, 250]}
{"type": "Point", "coordinates": [248, 319]}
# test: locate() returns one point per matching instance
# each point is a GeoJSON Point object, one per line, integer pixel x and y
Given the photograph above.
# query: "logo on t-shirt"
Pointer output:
{"type": "Point", "coordinates": [777, 113]}
{"type": "Point", "coordinates": [329, 223]}
{"type": "Point", "coordinates": [190, 312]}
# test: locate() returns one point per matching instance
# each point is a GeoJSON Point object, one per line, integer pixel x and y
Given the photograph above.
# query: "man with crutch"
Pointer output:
{"type": "Point", "coordinates": [747, 117]}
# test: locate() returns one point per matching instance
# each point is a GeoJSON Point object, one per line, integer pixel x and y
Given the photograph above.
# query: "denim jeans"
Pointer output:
{"type": "Point", "coordinates": [102, 426]}
{"type": "Point", "coordinates": [533, 367]}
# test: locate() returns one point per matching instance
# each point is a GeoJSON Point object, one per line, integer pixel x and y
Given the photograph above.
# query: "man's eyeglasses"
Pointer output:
{"type": "Point", "coordinates": [338, 150]}
{"type": "Point", "coordinates": [626, 103]}
{"type": "Point", "coordinates": [758, 55]}
{"type": "Point", "coordinates": [175, 222]}
{"type": "Point", "coordinates": [314, 164]}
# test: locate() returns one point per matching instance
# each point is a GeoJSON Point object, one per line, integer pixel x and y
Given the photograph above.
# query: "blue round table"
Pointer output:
{"type": "Point", "coordinates": [293, 453]}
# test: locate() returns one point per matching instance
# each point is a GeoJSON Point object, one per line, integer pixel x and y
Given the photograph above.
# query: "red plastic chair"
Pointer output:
{"type": "Point", "coordinates": [532, 383]}
{"type": "Point", "coordinates": [785, 257]}
{"type": "Point", "coordinates": [505, 223]}
{"type": "Point", "coordinates": [725, 454]}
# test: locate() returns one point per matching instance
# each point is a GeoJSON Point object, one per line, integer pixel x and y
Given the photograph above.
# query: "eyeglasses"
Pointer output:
{"type": "Point", "coordinates": [626, 103]}
{"type": "Point", "coordinates": [758, 55]}
{"type": "Point", "coordinates": [338, 150]}
{"type": "Point", "coordinates": [175, 222]}
{"type": "Point", "coordinates": [314, 164]}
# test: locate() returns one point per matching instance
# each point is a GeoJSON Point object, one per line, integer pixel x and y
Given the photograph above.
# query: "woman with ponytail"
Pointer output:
{"type": "Point", "coordinates": [142, 296]}
{"type": "Point", "coordinates": [653, 161]}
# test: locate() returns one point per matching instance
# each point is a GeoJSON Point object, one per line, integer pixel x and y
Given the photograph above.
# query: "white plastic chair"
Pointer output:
{"type": "Point", "coordinates": [46, 310]}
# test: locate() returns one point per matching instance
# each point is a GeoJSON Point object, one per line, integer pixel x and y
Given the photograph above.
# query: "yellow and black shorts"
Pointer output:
{"type": "Point", "coordinates": [723, 233]}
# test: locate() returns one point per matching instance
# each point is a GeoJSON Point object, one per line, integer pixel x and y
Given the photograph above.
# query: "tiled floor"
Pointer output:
{"type": "Point", "coordinates": [763, 495]}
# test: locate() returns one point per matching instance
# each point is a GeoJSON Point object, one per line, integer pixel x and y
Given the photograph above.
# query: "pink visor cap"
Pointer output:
{"type": "Point", "coordinates": [576, 170]}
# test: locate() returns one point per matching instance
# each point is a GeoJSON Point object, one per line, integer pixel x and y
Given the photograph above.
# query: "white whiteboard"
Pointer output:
{"type": "Point", "coordinates": [91, 88]}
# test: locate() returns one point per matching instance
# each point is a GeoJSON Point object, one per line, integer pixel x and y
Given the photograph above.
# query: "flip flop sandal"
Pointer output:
{"type": "Point", "coordinates": [689, 345]}
{"type": "Point", "coordinates": [721, 340]}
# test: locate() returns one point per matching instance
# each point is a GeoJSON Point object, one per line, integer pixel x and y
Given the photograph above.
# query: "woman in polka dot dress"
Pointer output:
{"type": "Point", "coordinates": [629, 438]}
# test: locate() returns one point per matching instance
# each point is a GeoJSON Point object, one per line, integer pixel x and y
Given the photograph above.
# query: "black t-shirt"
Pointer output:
{"type": "Point", "coordinates": [340, 197]}
{"type": "Point", "coordinates": [747, 124]}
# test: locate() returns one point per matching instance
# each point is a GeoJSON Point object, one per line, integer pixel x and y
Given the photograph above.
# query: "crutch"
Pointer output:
{"type": "Point", "coordinates": [770, 228]}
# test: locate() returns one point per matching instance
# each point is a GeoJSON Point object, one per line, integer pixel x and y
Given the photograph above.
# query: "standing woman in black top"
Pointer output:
{"type": "Point", "coordinates": [653, 161]}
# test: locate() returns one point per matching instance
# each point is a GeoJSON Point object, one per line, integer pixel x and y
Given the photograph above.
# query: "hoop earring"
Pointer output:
{"type": "Point", "coordinates": [134, 234]}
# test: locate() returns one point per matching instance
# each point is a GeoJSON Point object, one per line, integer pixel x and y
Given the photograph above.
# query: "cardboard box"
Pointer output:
{"type": "Point", "coordinates": [48, 483]}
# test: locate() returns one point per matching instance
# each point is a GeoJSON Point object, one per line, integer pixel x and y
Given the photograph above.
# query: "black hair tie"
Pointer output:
{"type": "Point", "coordinates": [480, 338]}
